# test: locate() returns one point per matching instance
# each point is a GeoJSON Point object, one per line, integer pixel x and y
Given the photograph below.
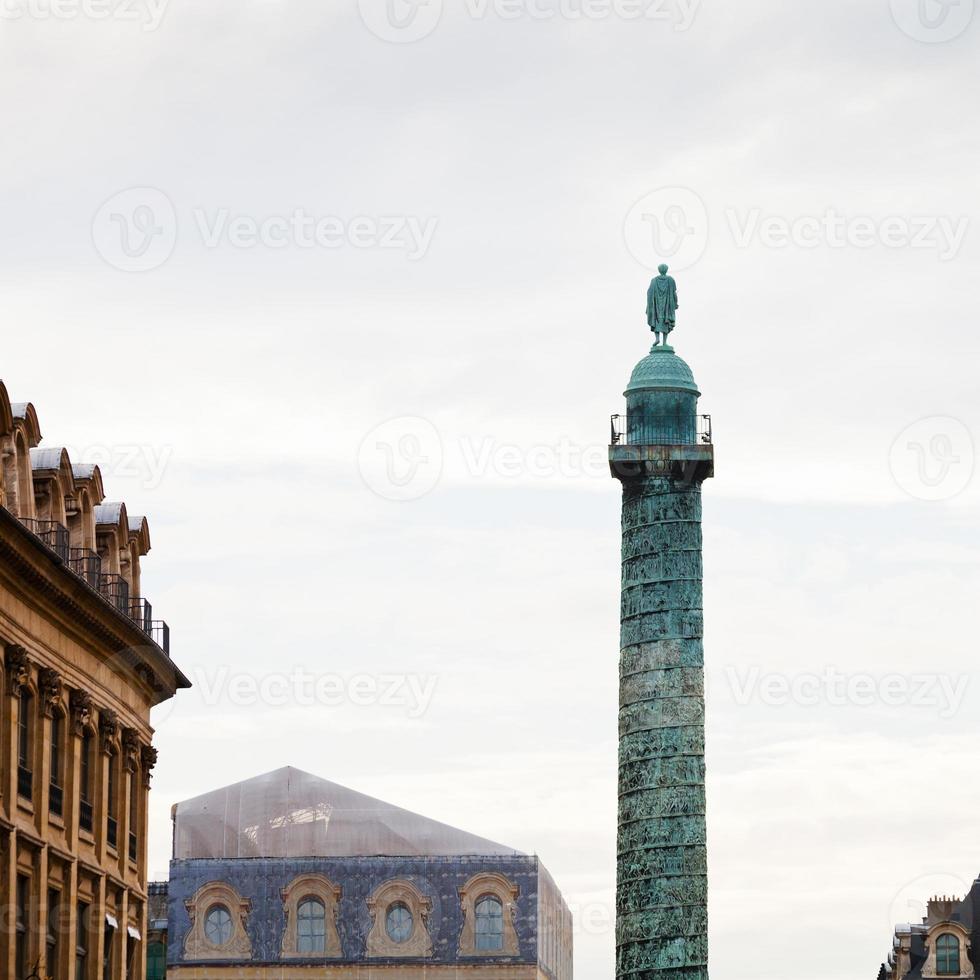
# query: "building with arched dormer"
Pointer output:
{"type": "Point", "coordinates": [290, 876]}
{"type": "Point", "coordinates": [946, 943]}
{"type": "Point", "coordinates": [82, 662]}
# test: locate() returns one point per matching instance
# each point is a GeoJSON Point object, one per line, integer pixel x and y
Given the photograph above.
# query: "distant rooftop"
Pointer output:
{"type": "Point", "coordinates": [290, 813]}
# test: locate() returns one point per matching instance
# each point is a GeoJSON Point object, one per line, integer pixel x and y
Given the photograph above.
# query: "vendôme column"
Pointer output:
{"type": "Point", "coordinates": [661, 452]}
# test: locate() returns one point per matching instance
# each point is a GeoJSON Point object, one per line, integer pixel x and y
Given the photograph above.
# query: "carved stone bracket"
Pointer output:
{"type": "Point", "coordinates": [148, 760]}
{"type": "Point", "coordinates": [80, 703]}
{"type": "Point", "coordinates": [18, 668]}
{"type": "Point", "coordinates": [50, 686]}
{"type": "Point", "coordinates": [108, 730]}
{"type": "Point", "coordinates": [131, 748]}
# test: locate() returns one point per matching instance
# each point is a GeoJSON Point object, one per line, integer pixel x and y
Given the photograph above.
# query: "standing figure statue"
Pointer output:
{"type": "Point", "coordinates": [662, 305]}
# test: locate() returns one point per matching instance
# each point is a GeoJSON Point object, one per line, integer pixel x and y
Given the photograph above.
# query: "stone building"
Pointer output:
{"type": "Point", "coordinates": [289, 876]}
{"type": "Point", "coordinates": [945, 944]}
{"type": "Point", "coordinates": [82, 661]}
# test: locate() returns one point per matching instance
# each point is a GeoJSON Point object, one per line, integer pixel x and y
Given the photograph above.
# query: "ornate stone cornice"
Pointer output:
{"type": "Point", "coordinates": [80, 703]}
{"type": "Point", "coordinates": [108, 730]}
{"type": "Point", "coordinates": [18, 666]}
{"type": "Point", "coordinates": [50, 687]}
{"type": "Point", "coordinates": [148, 760]}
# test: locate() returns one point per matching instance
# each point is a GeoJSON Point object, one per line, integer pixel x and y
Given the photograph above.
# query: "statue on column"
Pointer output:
{"type": "Point", "coordinates": [662, 305]}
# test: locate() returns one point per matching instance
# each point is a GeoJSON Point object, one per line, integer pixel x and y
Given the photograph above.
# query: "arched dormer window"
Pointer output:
{"type": "Point", "coordinates": [310, 907]}
{"type": "Point", "coordinates": [489, 924]}
{"type": "Point", "coordinates": [947, 955]}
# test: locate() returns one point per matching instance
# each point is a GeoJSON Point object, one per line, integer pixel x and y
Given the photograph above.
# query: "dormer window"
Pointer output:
{"type": "Point", "coordinates": [947, 955]}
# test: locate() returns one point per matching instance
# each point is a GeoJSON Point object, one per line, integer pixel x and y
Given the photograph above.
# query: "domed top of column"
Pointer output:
{"type": "Point", "coordinates": [662, 370]}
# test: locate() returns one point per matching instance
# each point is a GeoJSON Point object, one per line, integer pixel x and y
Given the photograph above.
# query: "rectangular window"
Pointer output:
{"type": "Point", "coordinates": [56, 796]}
{"type": "Point", "coordinates": [109, 949]}
{"type": "Point", "coordinates": [134, 807]}
{"type": "Point", "coordinates": [81, 943]}
{"type": "Point", "coordinates": [24, 730]}
{"type": "Point", "coordinates": [54, 930]}
{"type": "Point", "coordinates": [22, 912]}
{"type": "Point", "coordinates": [85, 816]}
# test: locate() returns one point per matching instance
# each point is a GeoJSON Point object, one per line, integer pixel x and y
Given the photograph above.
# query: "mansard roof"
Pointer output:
{"type": "Point", "coordinates": [91, 475]}
{"type": "Point", "coordinates": [293, 814]}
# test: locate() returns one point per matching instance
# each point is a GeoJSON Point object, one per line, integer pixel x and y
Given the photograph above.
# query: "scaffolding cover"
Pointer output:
{"type": "Point", "coordinates": [292, 814]}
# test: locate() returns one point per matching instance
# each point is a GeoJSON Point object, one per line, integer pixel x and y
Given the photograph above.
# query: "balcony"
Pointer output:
{"type": "Point", "coordinates": [85, 821]}
{"type": "Point", "coordinates": [56, 799]}
{"type": "Point", "coordinates": [86, 565]}
{"type": "Point", "coordinates": [115, 589]}
{"type": "Point", "coordinates": [53, 534]}
{"type": "Point", "coordinates": [660, 430]}
{"type": "Point", "coordinates": [25, 783]}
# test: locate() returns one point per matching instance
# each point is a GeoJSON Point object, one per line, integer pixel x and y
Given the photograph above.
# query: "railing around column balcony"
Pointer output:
{"type": "Point", "coordinates": [660, 430]}
{"type": "Point", "coordinates": [86, 564]}
{"type": "Point", "coordinates": [53, 534]}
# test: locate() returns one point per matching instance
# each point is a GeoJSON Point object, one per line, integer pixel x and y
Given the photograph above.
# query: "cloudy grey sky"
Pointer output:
{"type": "Point", "coordinates": [342, 296]}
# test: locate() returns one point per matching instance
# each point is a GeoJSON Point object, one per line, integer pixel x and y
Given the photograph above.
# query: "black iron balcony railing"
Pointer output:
{"type": "Point", "coordinates": [53, 534]}
{"type": "Point", "coordinates": [56, 799]}
{"type": "Point", "coordinates": [660, 430]}
{"type": "Point", "coordinates": [86, 564]}
{"type": "Point", "coordinates": [141, 613]}
{"type": "Point", "coordinates": [25, 783]}
{"type": "Point", "coordinates": [116, 589]}
{"type": "Point", "coordinates": [85, 816]}
{"type": "Point", "coordinates": [160, 634]}
{"type": "Point", "coordinates": [111, 831]}
{"type": "Point", "coordinates": [133, 851]}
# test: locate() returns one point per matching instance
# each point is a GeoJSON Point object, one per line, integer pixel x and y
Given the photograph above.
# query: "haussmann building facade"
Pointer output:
{"type": "Point", "coordinates": [82, 661]}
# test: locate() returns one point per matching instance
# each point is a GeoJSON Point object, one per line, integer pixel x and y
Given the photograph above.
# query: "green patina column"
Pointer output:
{"type": "Point", "coordinates": [661, 452]}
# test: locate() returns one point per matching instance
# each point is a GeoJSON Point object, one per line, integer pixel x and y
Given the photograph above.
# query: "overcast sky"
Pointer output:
{"type": "Point", "coordinates": [342, 297]}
